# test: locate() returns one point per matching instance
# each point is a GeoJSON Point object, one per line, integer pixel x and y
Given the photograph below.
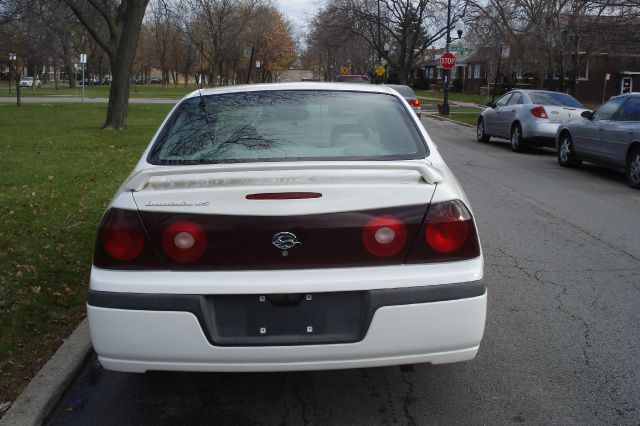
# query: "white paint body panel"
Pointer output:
{"type": "Point", "coordinates": [440, 332]}
{"type": "Point", "coordinates": [286, 281]}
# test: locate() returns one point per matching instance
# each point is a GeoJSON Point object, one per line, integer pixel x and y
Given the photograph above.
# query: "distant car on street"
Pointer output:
{"type": "Point", "coordinates": [609, 136]}
{"type": "Point", "coordinates": [347, 78]}
{"type": "Point", "coordinates": [29, 82]}
{"type": "Point", "coordinates": [156, 80]}
{"type": "Point", "coordinates": [409, 95]}
{"type": "Point", "coordinates": [527, 117]}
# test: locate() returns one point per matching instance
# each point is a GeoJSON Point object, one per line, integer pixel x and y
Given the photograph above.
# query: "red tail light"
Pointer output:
{"type": "Point", "coordinates": [184, 241]}
{"type": "Point", "coordinates": [384, 236]}
{"type": "Point", "coordinates": [539, 112]}
{"type": "Point", "coordinates": [414, 102]}
{"type": "Point", "coordinates": [447, 227]}
{"type": "Point", "coordinates": [448, 234]}
{"type": "Point", "coordinates": [123, 242]}
{"type": "Point", "coordinates": [123, 236]}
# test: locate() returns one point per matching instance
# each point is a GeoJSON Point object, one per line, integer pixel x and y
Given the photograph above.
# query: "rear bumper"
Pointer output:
{"type": "Point", "coordinates": [541, 129]}
{"type": "Point", "coordinates": [140, 332]}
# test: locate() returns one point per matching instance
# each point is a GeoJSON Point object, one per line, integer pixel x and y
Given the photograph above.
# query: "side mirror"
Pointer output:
{"type": "Point", "coordinates": [491, 104]}
{"type": "Point", "coordinates": [587, 114]}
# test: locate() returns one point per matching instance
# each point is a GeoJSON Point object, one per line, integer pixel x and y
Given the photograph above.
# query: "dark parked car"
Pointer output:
{"type": "Point", "coordinates": [409, 95]}
{"type": "Point", "coordinates": [609, 136]}
{"type": "Point", "coordinates": [88, 81]}
{"type": "Point", "coordinates": [156, 80]}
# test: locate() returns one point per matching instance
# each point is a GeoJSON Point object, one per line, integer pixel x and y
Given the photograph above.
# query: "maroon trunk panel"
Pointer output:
{"type": "Point", "coordinates": [246, 242]}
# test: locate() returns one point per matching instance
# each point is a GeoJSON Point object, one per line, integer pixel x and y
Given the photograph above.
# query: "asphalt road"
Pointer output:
{"type": "Point", "coordinates": [562, 342]}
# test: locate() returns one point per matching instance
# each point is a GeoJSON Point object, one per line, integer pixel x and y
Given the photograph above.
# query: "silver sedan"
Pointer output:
{"type": "Point", "coordinates": [527, 117]}
{"type": "Point", "coordinates": [609, 136]}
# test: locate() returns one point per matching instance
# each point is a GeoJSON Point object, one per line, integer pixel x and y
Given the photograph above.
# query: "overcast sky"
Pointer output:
{"type": "Point", "coordinates": [299, 12]}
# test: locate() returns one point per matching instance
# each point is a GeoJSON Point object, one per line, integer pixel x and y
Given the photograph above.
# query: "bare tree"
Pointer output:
{"type": "Point", "coordinates": [217, 24]}
{"type": "Point", "coordinates": [408, 27]}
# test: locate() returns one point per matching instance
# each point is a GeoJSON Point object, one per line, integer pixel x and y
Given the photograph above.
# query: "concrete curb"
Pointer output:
{"type": "Point", "coordinates": [439, 117]}
{"type": "Point", "coordinates": [46, 388]}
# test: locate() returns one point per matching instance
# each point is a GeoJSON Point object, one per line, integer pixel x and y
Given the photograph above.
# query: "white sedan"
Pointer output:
{"type": "Point", "coordinates": [296, 226]}
{"type": "Point", "coordinates": [29, 82]}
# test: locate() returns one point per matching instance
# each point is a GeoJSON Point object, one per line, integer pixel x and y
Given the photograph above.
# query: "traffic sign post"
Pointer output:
{"type": "Point", "coordinates": [379, 71]}
{"type": "Point", "coordinates": [344, 70]}
{"type": "Point", "coordinates": [447, 61]}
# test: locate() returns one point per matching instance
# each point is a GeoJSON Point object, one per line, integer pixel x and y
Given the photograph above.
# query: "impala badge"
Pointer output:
{"type": "Point", "coordinates": [284, 241]}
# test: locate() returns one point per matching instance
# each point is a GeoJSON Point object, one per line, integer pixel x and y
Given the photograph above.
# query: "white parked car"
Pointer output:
{"type": "Point", "coordinates": [28, 82]}
{"type": "Point", "coordinates": [293, 226]}
{"type": "Point", "coordinates": [527, 117]}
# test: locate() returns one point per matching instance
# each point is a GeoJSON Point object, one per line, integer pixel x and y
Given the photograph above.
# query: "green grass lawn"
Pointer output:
{"type": "Point", "coordinates": [469, 117]}
{"type": "Point", "coordinates": [58, 170]}
{"type": "Point", "coordinates": [138, 91]}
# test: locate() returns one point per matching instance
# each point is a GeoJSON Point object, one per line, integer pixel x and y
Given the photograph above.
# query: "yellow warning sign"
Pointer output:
{"type": "Point", "coordinates": [344, 70]}
{"type": "Point", "coordinates": [380, 70]}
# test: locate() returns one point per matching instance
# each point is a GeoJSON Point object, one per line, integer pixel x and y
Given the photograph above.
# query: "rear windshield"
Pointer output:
{"type": "Point", "coordinates": [555, 99]}
{"type": "Point", "coordinates": [288, 126]}
{"type": "Point", "coordinates": [353, 79]}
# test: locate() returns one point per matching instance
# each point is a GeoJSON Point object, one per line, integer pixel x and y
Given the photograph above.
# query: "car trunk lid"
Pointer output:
{"type": "Point", "coordinates": [562, 114]}
{"type": "Point", "coordinates": [271, 219]}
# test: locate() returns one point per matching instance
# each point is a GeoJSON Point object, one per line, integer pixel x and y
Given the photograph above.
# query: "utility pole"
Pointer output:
{"type": "Point", "coordinates": [379, 37]}
{"type": "Point", "coordinates": [447, 72]}
{"type": "Point", "coordinates": [83, 61]}
{"type": "Point", "coordinates": [250, 64]}
{"type": "Point", "coordinates": [201, 52]}
{"type": "Point", "coordinates": [495, 83]}
{"type": "Point", "coordinates": [12, 58]}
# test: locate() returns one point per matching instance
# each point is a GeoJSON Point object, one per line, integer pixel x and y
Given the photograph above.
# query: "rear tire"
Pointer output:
{"type": "Point", "coordinates": [633, 168]}
{"type": "Point", "coordinates": [481, 134]}
{"type": "Point", "coordinates": [566, 156]}
{"type": "Point", "coordinates": [517, 142]}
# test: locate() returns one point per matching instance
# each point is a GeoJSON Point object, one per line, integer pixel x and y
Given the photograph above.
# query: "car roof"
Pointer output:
{"type": "Point", "coordinates": [626, 95]}
{"type": "Point", "coordinates": [304, 85]}
{"type": "Point", "coordinates": [540, 91]}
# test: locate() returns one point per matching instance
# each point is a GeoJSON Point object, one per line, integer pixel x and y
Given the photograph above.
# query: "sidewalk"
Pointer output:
{"type": "Point", "coordinates": [453, 103]}
{"type": "Point", "coordinates": [71, 99]}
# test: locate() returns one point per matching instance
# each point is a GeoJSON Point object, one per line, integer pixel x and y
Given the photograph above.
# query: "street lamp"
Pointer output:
{"type": "Point", "coordinates": [12, 58]}
{"type": "Point", "coordinates": [459, 26]}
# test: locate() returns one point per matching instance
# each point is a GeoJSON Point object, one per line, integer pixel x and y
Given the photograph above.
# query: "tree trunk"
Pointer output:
{"type": "Point", "coordinates": [122, 65]}
{"type": "Point", "coordinates": [124, 31]}
{"type": "Point", "coordinates": [56, 77]}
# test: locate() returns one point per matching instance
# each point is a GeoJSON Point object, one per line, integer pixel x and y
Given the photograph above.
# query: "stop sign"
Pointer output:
{"type": "Point", "coordinates": [448, 61]}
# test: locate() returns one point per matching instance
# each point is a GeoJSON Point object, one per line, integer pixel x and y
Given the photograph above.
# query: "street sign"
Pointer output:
{"type": "Point", "coordinates": [344, 70]}
{"type": "Point", "coordinates": [448, 61]}
{"type": "Point", "coordinates": [380, 70]}
{"type": "Point", "coordinates": [505, 51]}
{"type": "Point", "coordinates": [83, 58]}
{"type": "Point", "coordinates": [607, 76]}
